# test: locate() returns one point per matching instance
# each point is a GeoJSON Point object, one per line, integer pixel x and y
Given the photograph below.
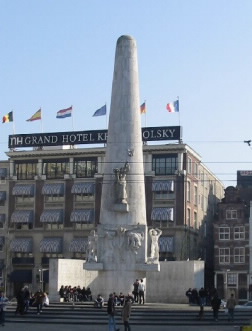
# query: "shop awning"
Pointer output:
{"type": "Point", "coordinates": [23, 190]}
{"type": "Point", "coordinates": [3, 172]}
{"type": "Point", "coordinates": [78, 245]}
{"type": "Point", "coordinates": [53, 189]}
{"type": "Point", "coordinates": [166, 244]}
{"type": "Point", "coordinates": [21, 245]}
{"type": "Point", "coordinates": [2, 218]}
{"type": "Point", "coordinates": [22, 216]}
{"type": "Point", "coordinates": [162, 214]}
{"type": "Point", "coordinates": [163, 186]}
{"type": "Point", "coordinates": [52, 216]}
{"type": "Point", "coordinates": [1, 240]}
{"type": "Point", "coordinates": [83, 188]}
{"type": "Point", "coordinates": [21, 276]}
{"type": "Point", "coordinates": [82, 216]}
{"type": "Point", "coordinates": [51, 245]}
{"type": "Point", "coordinates": [2, 195]}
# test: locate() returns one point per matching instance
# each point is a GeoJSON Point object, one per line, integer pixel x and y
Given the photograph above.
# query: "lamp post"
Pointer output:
{"type": "Point", "coordinates": [226, 287]}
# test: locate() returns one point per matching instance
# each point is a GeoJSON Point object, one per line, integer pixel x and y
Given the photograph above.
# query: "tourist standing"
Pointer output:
{"type": "Point", "coordinates": [126, 311]}
{"type": "Point", "coordinates": [111, 313]}
{"type": "Point", "coordinates": [135, 290]}
{"type": "Point", "coordinates": [141, 290]}
{"type": "Point", "coordinates": [3, 303]}
{"type": "Point", "coordinates": [231, 303]}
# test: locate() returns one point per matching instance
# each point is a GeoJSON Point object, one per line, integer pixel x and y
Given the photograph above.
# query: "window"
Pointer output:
{"type": "Point", "coordinates": [85, 167]}
{"type": "Point", "coordinates": [231, 214]}
{"type": "Point", "coordinates": [239, 233]}
{"type": "Point", "coordinates": [188, 218]}
{"type": "Point", "coordinates": [195, 220]}
{"type": "Point", "coordinates": [195, 195]}
{"type": "Point", "coordinates": [224, 233]}
{"type": "Point", "coordinates": [196, 170]}
{"type": "Point", "coordinates": [189, 165]}
{"type": "Point", "coordinates": [224, 255]}
{"type": "Point", "coordinates": [56, 169]}
{"type": "Point", "coordinates": [231, 279]}
{"type": "Point", "coordinates": [239, 255]}
{"type": "Point", "coordinates": [25, 170]}
{"type": "Point", "coordinates": [188, 191]}
{"type": "Point", "coordinates": [165, 164]}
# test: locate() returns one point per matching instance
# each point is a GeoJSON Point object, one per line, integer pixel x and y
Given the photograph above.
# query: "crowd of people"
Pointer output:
{"type": "Point", "coordinates": [75, 293]}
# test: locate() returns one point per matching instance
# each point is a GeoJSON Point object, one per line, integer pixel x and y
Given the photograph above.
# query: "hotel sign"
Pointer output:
{"type": "Point", "coordinates": [87, 137]}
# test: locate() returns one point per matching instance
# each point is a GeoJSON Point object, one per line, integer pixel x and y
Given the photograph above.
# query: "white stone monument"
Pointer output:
{"type": "Point", "coordinates": [122, 232]}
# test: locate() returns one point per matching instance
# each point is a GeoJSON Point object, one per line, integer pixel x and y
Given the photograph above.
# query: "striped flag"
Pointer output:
{"type": "Point", "coordinates": [173, 107]}
{"type": "Point", "coordinates": [63, 113]}
{"type": "Point", "coordinates": [8, 117]}
{"type": "Point", "coordinates": [36, 116]}
{"type": "Point", "coordinates": [143, 108]}
{"type": "Point", "coordinates": [101, 111]}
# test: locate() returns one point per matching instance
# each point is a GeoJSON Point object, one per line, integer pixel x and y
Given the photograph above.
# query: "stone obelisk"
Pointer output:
{"type": "Point", "coordinates": [122, 233]}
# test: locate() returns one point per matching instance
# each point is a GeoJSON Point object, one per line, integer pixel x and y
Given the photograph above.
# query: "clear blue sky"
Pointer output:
{"type": "Point", "coordinates": [57, 53]}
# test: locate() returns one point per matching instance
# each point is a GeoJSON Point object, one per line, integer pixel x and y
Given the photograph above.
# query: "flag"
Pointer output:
{"type": "Point", "coordinates": [35, 117]}
{"type": "Point", "coordinates": [101, 111]}
{"type": "Point", "coordinates": [8, 118]}
{"type": "Point", "coordinates": [173, 107]}
{"type": "Point", "coordinates": [143, 108]}
{"type": "Point", "coordinates": [63, 113]}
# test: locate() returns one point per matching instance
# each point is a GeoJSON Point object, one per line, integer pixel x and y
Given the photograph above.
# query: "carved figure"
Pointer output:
{"type": "Point", "coordinates": [135, 241]}
{"type": "Point", "coordinates": [92, 247]}
{"type": "Point", "coordinates": [155, 234]}
{"type": "Point", "coordinates": [120, 184]}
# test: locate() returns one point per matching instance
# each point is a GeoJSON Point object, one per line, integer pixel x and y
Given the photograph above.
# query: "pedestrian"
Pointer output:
{"type": "Point", "coordinates": [135, 290]}
{"type": "Point", "coordinates": [3, 304]}
{"type": "Point", "coordinates": [141, 290]}
{"type": "Point", "coordinates": [215, 303]}
{"type": "Point", "coordinates": [189, 295]}
{"type": "Point", "coordinates": [111, 313]}
{"type": "Point", "coordinates": [39, 298]}
{"type": "Point", "coordinates": [231, 303]}
{"type": "Point", "coordinates": [126, 311]}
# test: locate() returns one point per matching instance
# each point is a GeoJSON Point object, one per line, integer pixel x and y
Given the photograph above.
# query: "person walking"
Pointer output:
{"type": "Point", "coordinates": [231, 303]}
{"type": "Point", "coordinates": [141, 290]}
{"type": "Point", "coordinates": [215, 303]}
{"type": "Point", "coordinates": [3, 303]}
{"type": "Point", "coordinates": [126, 311]}
{"type": "Point", "coordinates": [111, 313]}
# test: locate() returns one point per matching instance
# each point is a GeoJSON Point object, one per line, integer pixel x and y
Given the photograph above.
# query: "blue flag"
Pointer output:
{"type": "Point", "coordinates": [101, 111]}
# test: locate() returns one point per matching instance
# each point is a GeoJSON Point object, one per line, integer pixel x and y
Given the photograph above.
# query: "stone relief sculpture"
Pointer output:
{"type": "Point", "coordinates": [154, 234]}
{"type": "Point", "coordinates": [92, 247]}
{"type": "Point", "coordinates": [122, 239]}
{"type": "Point", "coordinates": [120, 183]}
{"type": "Point", "coordinates": [135, 240]}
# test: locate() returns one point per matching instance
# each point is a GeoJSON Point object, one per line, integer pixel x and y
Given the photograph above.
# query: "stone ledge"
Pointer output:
{"type": "Point", "coordinates": [148, 267]}
{"type": "Point", "coordinates": [93, 266]}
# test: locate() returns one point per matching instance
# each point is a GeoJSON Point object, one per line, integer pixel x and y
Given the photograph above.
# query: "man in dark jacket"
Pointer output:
{"type": "Point", "coordinates": [215, 303]}
{"type": "Point", "coordinates": [111, 313]}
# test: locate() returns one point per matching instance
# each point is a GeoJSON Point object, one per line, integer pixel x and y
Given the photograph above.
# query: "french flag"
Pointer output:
{"type": "Point", "coordinates": [63, 113]}
{"type": "Point", "coordinates": [173, 107]}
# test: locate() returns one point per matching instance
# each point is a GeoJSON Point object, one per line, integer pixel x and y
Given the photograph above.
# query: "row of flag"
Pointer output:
{"type": "Point", "coordinates": [67, 112]}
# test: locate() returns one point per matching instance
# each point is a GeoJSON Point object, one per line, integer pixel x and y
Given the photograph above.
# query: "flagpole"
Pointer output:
{"type": "Point", "coordinates": [13, 124]}
{"type": "Point", "coordinates": [41, 125]}
{"type": "Point", "coordinates": [72, 118]}
{"type": "Point", "coordinates": [179, 110]}
{"type": "Point", "coordinates": [106, 116]}
{"type": "Point", "coordinates": [145, 118]}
